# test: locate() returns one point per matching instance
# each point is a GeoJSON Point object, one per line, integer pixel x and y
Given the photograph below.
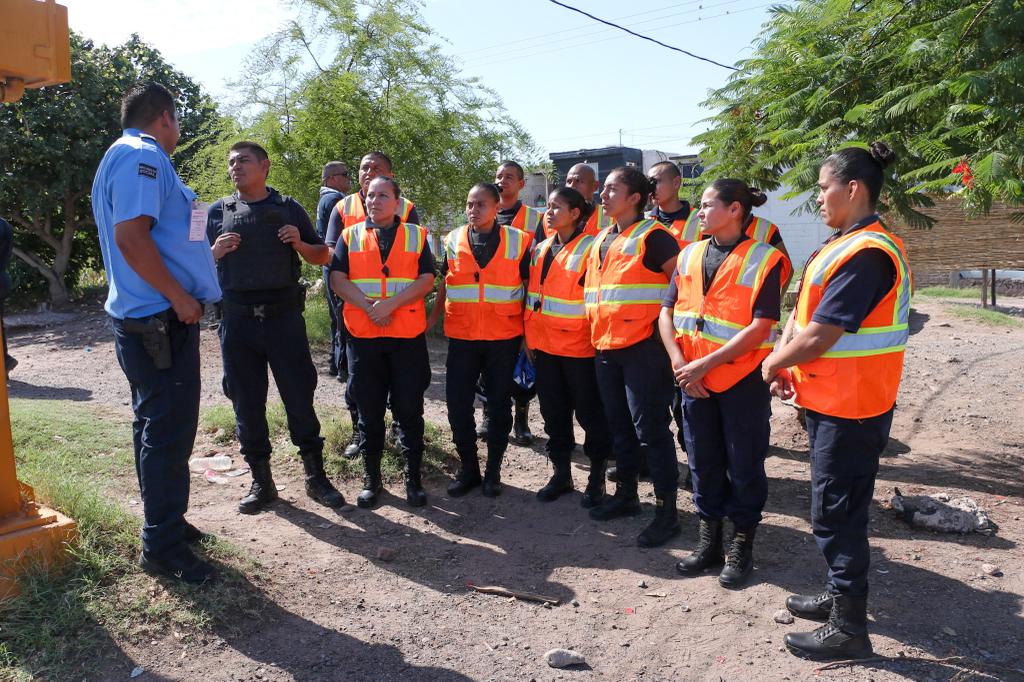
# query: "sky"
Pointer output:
{"type": "Point", "coordinates": [573, 83]}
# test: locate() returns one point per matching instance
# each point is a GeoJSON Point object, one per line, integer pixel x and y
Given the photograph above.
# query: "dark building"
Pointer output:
{"type": "Point", "coordinates": [604, 160]}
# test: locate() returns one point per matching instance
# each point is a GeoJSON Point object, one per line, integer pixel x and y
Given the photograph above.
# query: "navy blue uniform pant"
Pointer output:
{"type": "Point", "coordinates": [383, 366]}
{"type": "Point", "coordinates": [339, 334]}
{"type": "Point", "coordinates": [844, 463]}
{"type": "Point", "coordinates": [248, 346]}
{"type": "Point", "coordinates": [726, 445]}
{"type": "Point", "coordinates": [566, 386]}
{"type": "Point", "coordinates": [467, 361]}
{"type": "Point", "coordinates": [166, 407]}
{"type": "Point", "coordinates": [636, 388]}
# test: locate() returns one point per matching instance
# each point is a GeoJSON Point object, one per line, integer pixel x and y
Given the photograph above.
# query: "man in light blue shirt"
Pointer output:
{"type": "Point", "coordinates": [160, 271]}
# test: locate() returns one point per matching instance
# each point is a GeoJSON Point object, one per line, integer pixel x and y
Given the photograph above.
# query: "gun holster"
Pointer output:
{"type": "Point", "coordinates": [156, 338]}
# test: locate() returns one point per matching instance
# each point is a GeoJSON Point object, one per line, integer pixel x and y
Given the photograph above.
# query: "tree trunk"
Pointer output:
{"type": "Point", "coordinates": [54, 280]}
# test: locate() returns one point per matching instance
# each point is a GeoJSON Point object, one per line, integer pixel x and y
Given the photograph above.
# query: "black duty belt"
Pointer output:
{"type": "Point", "coordinates": [263, 310]}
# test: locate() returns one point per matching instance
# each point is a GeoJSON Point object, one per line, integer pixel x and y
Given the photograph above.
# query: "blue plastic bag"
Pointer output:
{"type": "Point", "coordinates": [524, 374]}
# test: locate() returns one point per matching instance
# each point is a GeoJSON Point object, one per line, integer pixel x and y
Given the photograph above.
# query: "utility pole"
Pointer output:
{"type": "Point", "coordinates": [620, 137]}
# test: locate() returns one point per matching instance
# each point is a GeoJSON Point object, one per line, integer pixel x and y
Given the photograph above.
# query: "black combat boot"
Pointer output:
{"type": "Point", "coordinates": [625, 502]}
{"type": "Point", "coordinates": [492, 474]}
{"type": "Point", "coordinates": [739, 560]}
{"type": "Point", "coordinates": [468, 476]}
{"type": "Point", "coordinates": [414, 494]}
{"type": "Point", "coordinates": [708, 553]}
{"type": "Point", "coordinates": [372, 483]}
{"type": "Point", "coordinates": [318, 487]}
{"type": "Point", "coordinates": [262, 491]}
{"type": "Point", "coordinates": [812, 607]}
{"type": "Point", "coordinates": [521, 434]}
{"type": "Point", "coordinates": [561, 481]}
{"type": "Point", "coordinates": [352, 449]}
{"type": "Point", "coordinates": [665, 525]}
{"type": "Point", "coordinates": [594, 493]}
{"type": "Point", "coordinates": [843, 637]}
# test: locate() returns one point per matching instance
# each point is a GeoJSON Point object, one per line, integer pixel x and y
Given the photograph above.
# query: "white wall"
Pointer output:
{"type": "Point", "coordinates": [803, 232]}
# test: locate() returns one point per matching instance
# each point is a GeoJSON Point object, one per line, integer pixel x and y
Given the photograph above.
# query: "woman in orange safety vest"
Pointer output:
{"type": "Point", "coordinates": [383, 269]}
{"type": "Point", "coordinates": [841, 358]}
{"type": "Point", "coordinates": [485, 266]}
{"type": "Point", "coordinates": [558, 338]}
{"type": "Point", "coordinates": [627, 276]}
{"type": "Point", "coordinates": [717, 324]}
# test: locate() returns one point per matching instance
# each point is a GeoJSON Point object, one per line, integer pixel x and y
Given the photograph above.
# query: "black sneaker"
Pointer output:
{"type": "Point", "coordinates": [181, 565]}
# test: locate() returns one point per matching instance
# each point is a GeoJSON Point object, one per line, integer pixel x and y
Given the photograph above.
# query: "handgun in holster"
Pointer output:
{"type": "Point", "coordinates": [156, 339]}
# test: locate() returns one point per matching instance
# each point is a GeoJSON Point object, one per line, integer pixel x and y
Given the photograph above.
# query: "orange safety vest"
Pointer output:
{"type": "Point", "coordinates": [556, 318]}
{"type": "Point", "coordinates": [685, 231]}
{"type": "Point", "coordinates": [764, 230]}
{"type": "Point", "coordinates": [706, 322]}
{"type": "Point", "coordinates": [622, 297]}
{"type": "Point", "coordinates": [857, 377]}
{"type": "Point", "coordinates": [484, 304]}
{"type": "Point", "coordinates": [527, 218]}
{"type": "Point", "coordinates": [379, 280]}
{"type": "Point", "coordinates": [353, 211]}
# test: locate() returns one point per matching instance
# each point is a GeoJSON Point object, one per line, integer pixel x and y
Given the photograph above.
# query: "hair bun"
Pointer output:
{"type": "Point", "coordinates": [757, 197]}
{"type": "Point", "coordinates": [882, 154]}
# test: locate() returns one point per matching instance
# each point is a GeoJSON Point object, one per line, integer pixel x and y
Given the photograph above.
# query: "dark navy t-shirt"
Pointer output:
{"type": "Point", "coordinates": [857, 286]}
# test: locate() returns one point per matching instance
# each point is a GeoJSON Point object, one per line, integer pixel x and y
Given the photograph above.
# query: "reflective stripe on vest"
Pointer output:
{"type": "Point", "coordinates": [761, 229]}
{"type": "Point", "coordinates": [527, 218]}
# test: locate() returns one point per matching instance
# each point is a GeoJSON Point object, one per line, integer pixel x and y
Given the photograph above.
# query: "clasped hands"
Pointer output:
{"type": "Point", "coordinates": [379, 310]}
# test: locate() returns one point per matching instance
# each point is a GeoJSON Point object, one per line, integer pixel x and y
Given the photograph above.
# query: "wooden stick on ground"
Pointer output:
{"type": "Point", "coordinates": [505, 592]}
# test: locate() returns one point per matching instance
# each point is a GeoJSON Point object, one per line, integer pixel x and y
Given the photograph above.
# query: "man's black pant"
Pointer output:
{"type": "Point", "coordinates": [636, 389]}
{"type": "Point", "coordinates": [339, 334]}
{"type": "Point", "coordinates": [389, 366]}
{"type": "Point", "coordinates": [248, 346]}
{"type": "Point", "coordinates": [565, 386]}
{"type": "Point", "coordinates": [166, 407]}
{"type": "Point", "coordinates": [726, 444]}
{"type": "Point", "coordinates": [468, 360]}
{"type": "Point", "coordinates": [844, 463]}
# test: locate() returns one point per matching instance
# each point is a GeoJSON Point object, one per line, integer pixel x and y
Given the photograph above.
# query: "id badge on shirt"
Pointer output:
{"type": "Point", "coordinates": [197, 224]}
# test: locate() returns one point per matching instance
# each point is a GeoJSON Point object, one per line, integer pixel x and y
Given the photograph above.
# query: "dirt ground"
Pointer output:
{"type": "Point", "coordinates": [334, 611]}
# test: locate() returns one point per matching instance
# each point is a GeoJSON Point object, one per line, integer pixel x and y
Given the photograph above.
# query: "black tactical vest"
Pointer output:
{"type": "Point", "coordinates": [262, 261]}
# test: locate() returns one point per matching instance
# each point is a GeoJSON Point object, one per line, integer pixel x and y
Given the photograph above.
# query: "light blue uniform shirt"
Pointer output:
{"type": "Point", "coordinates": [136, 178]}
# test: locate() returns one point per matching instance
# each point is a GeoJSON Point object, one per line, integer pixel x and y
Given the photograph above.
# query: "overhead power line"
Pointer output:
{"type": "Point", "coordinates": [642, 36]}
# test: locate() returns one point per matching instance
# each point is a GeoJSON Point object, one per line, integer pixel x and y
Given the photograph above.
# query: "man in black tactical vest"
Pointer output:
{"type": "Point", "coordinates": [257, 236]}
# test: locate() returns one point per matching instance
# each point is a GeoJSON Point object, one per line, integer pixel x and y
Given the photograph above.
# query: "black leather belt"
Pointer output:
{"type": "Point", "coordinates": [263, 310]}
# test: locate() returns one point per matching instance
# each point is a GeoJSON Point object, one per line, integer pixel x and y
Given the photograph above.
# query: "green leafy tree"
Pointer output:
{"type": "Point", "coordinates": [347, 77]}
{"type": "Point", "coordinates": [937, 80]}
{"type": "Point", "coordinates": [52, 141]}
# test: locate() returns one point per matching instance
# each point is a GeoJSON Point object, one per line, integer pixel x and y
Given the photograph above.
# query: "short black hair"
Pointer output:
{"type": "Point", "coordinates": [391, 181]}
{"type": "Point", "coordinates": [513, 164]}
{"type": "Point", "coordinates": [143, 103]}
{"type": "Point", "coordinates": [377, 154]}
{"type": "Point", "coordinates": [256, 149]}
{"type": "Point", "coordinates": [674, 169]}
{"type": "Point", "coordinates": [867, 166]}
{"type": "Point", "coordinates": [732, 190]}
{"type": "Point", "coordinates": [490, 188]}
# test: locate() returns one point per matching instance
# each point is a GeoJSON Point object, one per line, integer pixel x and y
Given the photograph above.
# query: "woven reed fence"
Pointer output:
{"type": "Point", "coordinates": [959, 242]}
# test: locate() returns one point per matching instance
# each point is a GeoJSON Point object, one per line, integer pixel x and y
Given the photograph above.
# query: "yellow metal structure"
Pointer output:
{"type": "Point", "coordinates": [29, 532]}
{"type": "Point", "coordinates": [34, 46]}
{"type": "Point", "coordinates": [34, 51]}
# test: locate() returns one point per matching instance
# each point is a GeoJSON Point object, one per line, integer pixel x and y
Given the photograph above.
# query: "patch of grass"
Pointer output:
{"type": "Point", "coordinates": [947, 292]}
{"type": "Point", "coordinates": [218, 422]}
{"type": "Point", "coordinates": [992, 318]}
{"type": "Point", "coordinates": [318, 319]}
{"type": "Point", "coordinates": [62, 624]}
